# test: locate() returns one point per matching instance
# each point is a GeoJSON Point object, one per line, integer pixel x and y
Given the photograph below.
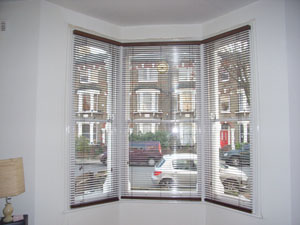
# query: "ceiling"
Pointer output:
{"type": "Point", "coordinates": [153, 12]}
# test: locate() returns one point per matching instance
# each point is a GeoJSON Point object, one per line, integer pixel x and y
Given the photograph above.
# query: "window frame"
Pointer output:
{"type": "Point", "coordinates": [154, 100]}
{"type": "Point", "coordinates": [72, 95]}
{"type": "Point", "coordinates": [189, 73]}
{"type": "Point", "coordinates": [181, 103]}
{"type": "Point", "coordinates": [151, 74]}
{"type": "Point", "coordinates": [93, 94]}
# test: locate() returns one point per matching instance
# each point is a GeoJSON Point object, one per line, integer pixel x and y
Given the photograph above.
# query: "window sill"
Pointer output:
{"type": "Point", "coordinates": [74, 210]}
{"type": "Point", "coordinates": [166, 202]}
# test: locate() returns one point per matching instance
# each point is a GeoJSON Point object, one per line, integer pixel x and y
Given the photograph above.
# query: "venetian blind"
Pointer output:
{"type": "Point", "coordinates": [161, 111]}
{"type": "Point", "coordinates": [228, 122]}
{"type": "Point", "coordinates": [93, 156]}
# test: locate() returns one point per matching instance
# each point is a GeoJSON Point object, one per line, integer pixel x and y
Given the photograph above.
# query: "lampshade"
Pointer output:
{"type": "Point", "coordinates": [11, 177]}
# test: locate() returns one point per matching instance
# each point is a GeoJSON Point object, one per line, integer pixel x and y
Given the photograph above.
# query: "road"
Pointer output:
{"type": "Point", "coordinates": [140, 176]}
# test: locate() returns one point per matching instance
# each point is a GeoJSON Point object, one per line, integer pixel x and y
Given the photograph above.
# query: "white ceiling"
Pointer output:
{"type": "Point", "coordinates": [153, 12]}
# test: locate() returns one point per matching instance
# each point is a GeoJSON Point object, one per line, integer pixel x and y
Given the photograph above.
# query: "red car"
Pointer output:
{"type": "Point", "coordinates": [141, 153]}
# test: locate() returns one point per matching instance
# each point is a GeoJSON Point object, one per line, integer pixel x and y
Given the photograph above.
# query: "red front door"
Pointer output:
{"type": "Point", "coordinates": [223, 138]}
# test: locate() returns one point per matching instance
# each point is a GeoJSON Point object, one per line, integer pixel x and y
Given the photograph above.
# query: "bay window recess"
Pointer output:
{"type": "Point", "coordinates": [174, 123]}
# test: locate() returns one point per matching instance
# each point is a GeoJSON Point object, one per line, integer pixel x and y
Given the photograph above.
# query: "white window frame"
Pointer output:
{"type": "Point", "coordinates": [185, 73]}
{"type": "Point", "coordinates": [244, 131]}
{"type": "Point", "coordinates": [92, 75]}
{"type": "Point", "coordinates": [182, 103]}
{"type": "Point", "coordinates": [141, 127]}
{"type": "Point", "coordinates": [91, 131]}
{"type": "Point", "coordinates": [154, 100]}
{"type": "Point", "coordinates": [225, 99]}
{"type": "Point", "coordinates": [94, 94]}
{"type": "Point", "coordinates": [151, 74]}
{"type": "Point", "coordinates": [221, 72]}
{"type": "Point", "coordinates": [242, 101]}
{"type": "Point", "coordinates": [191, 127]}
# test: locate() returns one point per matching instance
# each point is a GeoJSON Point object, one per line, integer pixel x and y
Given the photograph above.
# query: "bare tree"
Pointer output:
{"type": "Point", "coordinates": [238, 68]}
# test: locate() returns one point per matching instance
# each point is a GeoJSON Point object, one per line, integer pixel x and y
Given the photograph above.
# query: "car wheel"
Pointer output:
{"type": "Point", "coordinates": [166, 182]}
{"type": "Point", "coordinates": [151, 162]}
{"type": "Point", "coordinates": [235, 161]}
{"type": "Point", "coordinates": [231, 185]}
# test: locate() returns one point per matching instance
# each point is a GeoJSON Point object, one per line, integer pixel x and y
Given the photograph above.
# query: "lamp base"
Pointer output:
{"type": "Point", "coordinates": [7, 212]}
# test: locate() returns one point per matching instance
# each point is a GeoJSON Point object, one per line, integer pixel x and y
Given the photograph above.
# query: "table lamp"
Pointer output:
{"type": "Point", "coordinates": [11, 183]}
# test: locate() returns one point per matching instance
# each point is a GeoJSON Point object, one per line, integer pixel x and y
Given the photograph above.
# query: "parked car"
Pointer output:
{"type": "Point", "coordinates": [180, 170]}
{"type": "Point", "coordinates": [236, 157]}
{"type": "Point", "coordinates": [141, 153]}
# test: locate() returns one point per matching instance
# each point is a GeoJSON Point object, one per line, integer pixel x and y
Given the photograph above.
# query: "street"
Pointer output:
{"type": "Point", "coordinates": [140, 176]}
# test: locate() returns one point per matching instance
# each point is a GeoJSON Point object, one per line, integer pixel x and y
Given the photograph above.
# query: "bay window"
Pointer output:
{"type": "Point", "coordinates": [174, 123]}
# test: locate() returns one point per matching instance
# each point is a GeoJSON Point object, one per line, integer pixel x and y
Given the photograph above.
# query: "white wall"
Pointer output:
{"type": "Point", "coordinates": [273, 105]}
{"type": "Point", "coordinates": [18, 78]}
{"type": "Point", "coordinates": [40, 84]}
{"type": "Point", "coordinates": [161, 213]}
{"type": "Point", "coordinates": [293, 56]}
{"type": "Point", "coordinates": [51, 137]}
{"type": "Point", "coordinates": [161, 33]}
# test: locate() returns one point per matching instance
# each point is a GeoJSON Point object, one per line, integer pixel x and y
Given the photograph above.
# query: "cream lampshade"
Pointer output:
{"type": "Point", "coordinates": [11, 183]}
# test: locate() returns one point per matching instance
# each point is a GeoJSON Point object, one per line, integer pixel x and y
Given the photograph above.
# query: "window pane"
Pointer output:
{"type": "Point", "coordinates": [228, 121]}
{"type": "Point", "coordinates": [160, 122]}
{"type": "Point", "coordinates": [148, 73]}
{"type": "Point", "coordinates": [172, 141]}
{"type": "Point", "coordinates": [92, 171]}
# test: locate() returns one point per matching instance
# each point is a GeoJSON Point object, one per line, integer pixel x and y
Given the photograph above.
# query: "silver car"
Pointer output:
{"type": "Point", "coordinates": [180, 170]}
